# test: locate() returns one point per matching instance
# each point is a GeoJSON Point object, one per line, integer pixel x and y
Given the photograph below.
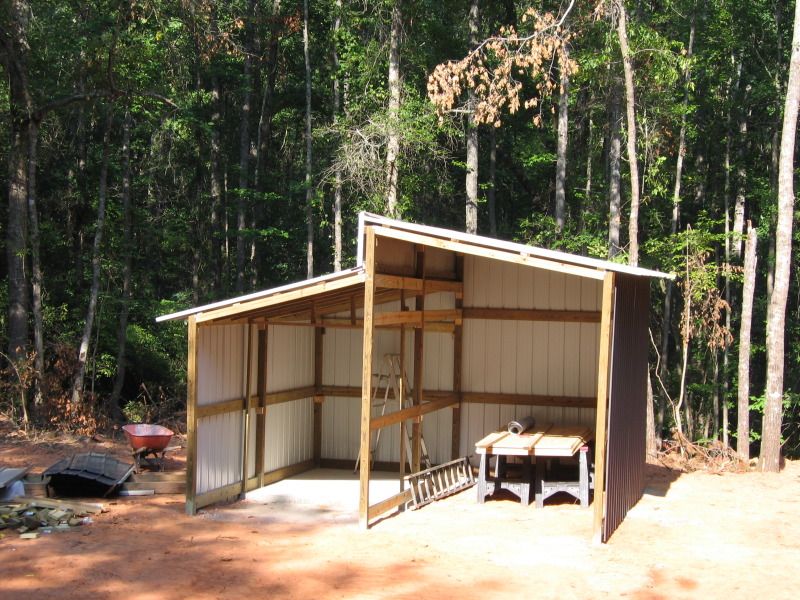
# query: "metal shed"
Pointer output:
{"type": "Point", "coordinates": [281, 381]}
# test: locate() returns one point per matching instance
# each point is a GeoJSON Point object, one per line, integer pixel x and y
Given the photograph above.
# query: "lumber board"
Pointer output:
{"type": "Point", "coordinates": [366, 379]}
{"type": "Point", "coordinates": [412, 412]}
{"type": "Point", "coordinates": [392, 502]}
{"type": "Point", "coordinates": [261, 391]}
{"type": "Point", "coordinates": [191, 416]}
{"type": "Point", "coordinates": [222, 494]}
{"type": "Point", "coordinates": [432, 286]}
{"type": "Point", "coordinates": [528, 399]}
{"type": "Point", "coordinates": [415, 318]}
{"type": "Point", "coordinates": [530, 314]}
{"type": "Point", "coordinates": [601, 424]}
{"type": "Point", "coordinates": [73, 505]}
{"type": "Point", "coordinates": [218, 408]}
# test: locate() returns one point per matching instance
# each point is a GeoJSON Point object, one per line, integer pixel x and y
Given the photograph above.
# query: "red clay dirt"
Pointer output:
{"type": "Point", "coordinates": [692, 535]}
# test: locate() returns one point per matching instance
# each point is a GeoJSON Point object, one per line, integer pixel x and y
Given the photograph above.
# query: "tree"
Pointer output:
{"type": "Point", "coordinates": [769, 459]}
{"type": "Point", "coordinates": [748, 291]}
{"type": "Point", "coordinates": [393, 141]}
{"type": "Point", "coordinates": [472, 133]}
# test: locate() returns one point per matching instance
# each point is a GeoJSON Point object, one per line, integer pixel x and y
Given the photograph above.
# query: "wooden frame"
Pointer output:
{"type": "Point", "coordinates": [191, 417]}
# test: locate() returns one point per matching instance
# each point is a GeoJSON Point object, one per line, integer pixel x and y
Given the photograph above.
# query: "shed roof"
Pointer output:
{"type": "Point", "coordinates": [468, 243]}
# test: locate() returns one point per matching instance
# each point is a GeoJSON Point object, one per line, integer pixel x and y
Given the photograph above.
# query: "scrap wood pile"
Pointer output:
{"type": "Point", "coordinates": [32, 516]}
{"type": "Point", "coordinates": [682, 454]}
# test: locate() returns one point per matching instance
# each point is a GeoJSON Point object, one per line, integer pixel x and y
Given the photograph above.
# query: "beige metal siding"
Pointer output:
{"type": "Point", "coordinates": [522, 357]}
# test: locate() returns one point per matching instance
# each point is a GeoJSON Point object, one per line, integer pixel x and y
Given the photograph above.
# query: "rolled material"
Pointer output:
{"type": "Point", "coordinates": [521, 425]}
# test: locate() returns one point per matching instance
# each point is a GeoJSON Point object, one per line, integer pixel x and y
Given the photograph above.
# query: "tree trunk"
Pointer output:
{"type": "Point", "coordinates": [741, 177]}
{"type": "Point", "coordinates": [652, 435]}
{"type": "Point", "coordinates": [687, 80]}
{"type": "Point", "coordinates": [633, 165]}
{"type": "Point", "coordinates": [614, 191]}
{"type": "Point", "coordinates": [769, 460]}
{"type": "Point", "coordinates": [491, 193]}
{"type": "Point", "coordinates": [748, 291]}
{"type": "Point", "coordinates": [244, 148]}
{"type": "Point", "coordinates": [83, 352]}
{"type": "Point", "coordinates": [20, 108]}
{"type": "Point", "coordinates": [587, 190]}
{"type": "Point", "coordinates": [337, 105]}
{"type": "Point", "coordinates": [309, 190]}
{"type": "Point", "coordinates": [127, 249]}
{"type": "Point", "coordinates": [393, 140]}
{"type": "Point", "coordinates": [561, 151]}
{"type": "Point", "coordinates": [36, 264]}
{"type": "Point", "coordinates": [472, 134]}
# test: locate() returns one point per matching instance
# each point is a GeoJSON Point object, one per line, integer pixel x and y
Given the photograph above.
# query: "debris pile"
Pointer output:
{"type": "Point", "coordinates": [33, 516]}
{"type": "Point", "coordinates": [682, 454]}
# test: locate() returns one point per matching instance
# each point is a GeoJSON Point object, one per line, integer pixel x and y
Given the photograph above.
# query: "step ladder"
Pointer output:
{"type": "Point", "coordinates": [439, 482]}
{"type": "Point", "coordinates": [392, 376]}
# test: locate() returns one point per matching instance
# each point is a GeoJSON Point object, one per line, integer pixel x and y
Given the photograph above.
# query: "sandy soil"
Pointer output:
{"type": "Point", "coordinates": [691, 536]}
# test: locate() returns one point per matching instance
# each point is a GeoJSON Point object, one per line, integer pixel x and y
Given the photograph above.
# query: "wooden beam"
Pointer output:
{"type": "Point", "coordinates": [366, 378]}
{"type": "Point", "coordinates": [528, 399]}
{"type": "Point", "coordinates": [191, 417]}
{"type": "Point", "coordinates": [419, 349]}
{"type": "Point", "coordinates": [458, 340]}
{"type": "Point", "coordinates": [601, 424]}
{"type": "Point", "coordinates": [384, 506]}
{"type": "Point", "coordinates": [526, 314]}
{"type": "Point", "coordinates": [308, 391]}
{"type": "Point", "coordinates": [432, 286]}
{"type": "Point", "coordinates": [412, 412]}
{"type": "Point", "coordinates": [416, 318]}
{"type": "Point", "coordinates": [282, 298]}
{"type": "Point", "coordinates": [493, 253]}
{"type": "Point", "coordinates": [218, 408]}
{"type": "Point", "coordinates": [227, 492]}
{"type": "Point", "coordinates": [318, 357]}
{"type": "Point", "coordinates": [246, 413]}
{"type": "Point", "coordinates": [261, 417]}
{"type": "Point", "coordinates": [340, 323]}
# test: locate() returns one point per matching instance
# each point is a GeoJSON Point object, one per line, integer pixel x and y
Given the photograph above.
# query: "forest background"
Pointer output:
{"type": "Point", "coordinates": [163, 155]}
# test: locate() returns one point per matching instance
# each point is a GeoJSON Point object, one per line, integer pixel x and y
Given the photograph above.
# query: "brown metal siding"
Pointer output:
{"type": "Point", "coordinates": [627, 402]}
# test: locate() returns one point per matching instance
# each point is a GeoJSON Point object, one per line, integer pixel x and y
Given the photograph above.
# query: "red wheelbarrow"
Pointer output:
{"type": "Point", "coordinates": [146, 440]}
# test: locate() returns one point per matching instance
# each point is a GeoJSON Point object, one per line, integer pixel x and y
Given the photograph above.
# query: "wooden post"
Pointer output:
{"type": "Point", "coordinates": [261, 416]}
{"type": "Point", "coordinates": [366, 378]}
{"type": "Point", "coordinates": [419, 348]}
{"type": "Point", "coordinates": [402, 388]}
{"type": "Point", "coordinates": [318, 398]}
{"type": "Point", "coordinates": [246, 415]}
{"type": "Point", "coordinates": [458, 336]}
{"type": "Point", "coordinates": [191, 417]}
{"type": "Point", "coordinates": [603, 387]}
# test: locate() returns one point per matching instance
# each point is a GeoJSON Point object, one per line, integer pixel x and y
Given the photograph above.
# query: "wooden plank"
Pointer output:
{"type": "Point", "coordinates": [419, 362]}
{"type": "Point", "coordinates": [458, 341]}
{"type": "Point", "coordinates": [562, 441]}
{"type": "Point", "coordinates": [384, 506]}
{"type": "Point", "coordinates": [366, 378]}
{"type": "Point", "coordinates": [218, 408]}
{"type": "Point", "coordinates": [308, 391]}
{"type": "Point", "coordinates": [603, 368]}
{"type": "Point", "coordinates": [416, 318]}
{"type": "Point", "coordinates": [496, 254]}
{"type": "Point", "coordinates": [412, 412]}
{"type": "Point", "coordinates": [528, 399]}
{"type": "Point", "coordinates": [282, 298]}
{"type": "Point", "coordinates": [73, 505]}
{"type": "Point", "coordinates": [432, 286]}
{"type": "Point", "coordinates": [317, 432]}
{"type": "Point", "coordinates": [191, 416]}
{"type": "Point", "coordinates": [222, 494]}
{"type": "Point", "coordinates": [530, 314]}
{"type": "Point", "coordinates": [334, 323]}
{"type": "Point", "coordinates": [246, 413]}
{"type": "Point", "coordinates": [261, 390]}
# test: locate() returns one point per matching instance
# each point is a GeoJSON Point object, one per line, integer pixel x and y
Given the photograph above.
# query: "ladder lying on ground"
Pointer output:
{"type": "Point", "coordinates": [439, 481]}
{"type": "Point", "coordinates": [392, 376]}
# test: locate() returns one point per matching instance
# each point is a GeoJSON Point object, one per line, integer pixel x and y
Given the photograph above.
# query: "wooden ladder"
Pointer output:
{"type": "Point", "coordinates": [395, 379]}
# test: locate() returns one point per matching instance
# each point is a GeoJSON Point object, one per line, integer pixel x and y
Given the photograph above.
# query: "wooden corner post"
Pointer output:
{"type": "Point", "coordinates": [191, 417]}
{"type": "Point", "coordinates": [261, 416]}
{"type": "Point", "coordinates": [603, 387]}
{"type": "Point", "coordinates": [318, 397]}
{"type": "Point", "coordinates": [366, 378]}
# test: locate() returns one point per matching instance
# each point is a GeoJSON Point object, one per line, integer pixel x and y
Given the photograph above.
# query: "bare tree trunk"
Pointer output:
{"type": "Point", "coordinates": [741, 177]}
{"type": "Point", "coordinates": [587, 190]}
{"type": "Point", "coordinates": [337, 183]}
{"type": "Point", "coordinates": [393, 141]}
{"type": "Point", "coordinates": [633, 165]}
{"type": "Point", "coordinates": [769, 460]}
{"type": "Point", "coordinates": [748, 291]}
{"type": "Point", "coordinates": [36, 264]}
{"type": "Point", "coordinates": [244, 148]}
{"type": "Point", "coordinates": [614, 191]}
{"type": "Point", "coordinates": [561, 151]}
{"type": "Point", "coordinates": [491, 193]}
{"type": "Point", "coordinates": [127, 245]}
{"type": "Point", "coordinates": [309, 190]}
{"type": "Point", "coordinates": [83, 352]}
{"type": "Point", "coordinates": [472, 134]}
{"type": "Point", "coordinates": [20, 105]}
{"type": "Point", "coordinates": [652, 437]}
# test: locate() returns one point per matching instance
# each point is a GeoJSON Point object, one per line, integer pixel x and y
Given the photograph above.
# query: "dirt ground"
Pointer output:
{"type": "Point", "coordinates": [692, 535]}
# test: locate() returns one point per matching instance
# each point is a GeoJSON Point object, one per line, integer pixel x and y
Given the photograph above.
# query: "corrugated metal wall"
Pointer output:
{"type": "Point", "coordinates": [627, 406]}
{"type": "Point", "coordinates": [521, 357]}
{"type": "Point", "coordinates": [221, 374]}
